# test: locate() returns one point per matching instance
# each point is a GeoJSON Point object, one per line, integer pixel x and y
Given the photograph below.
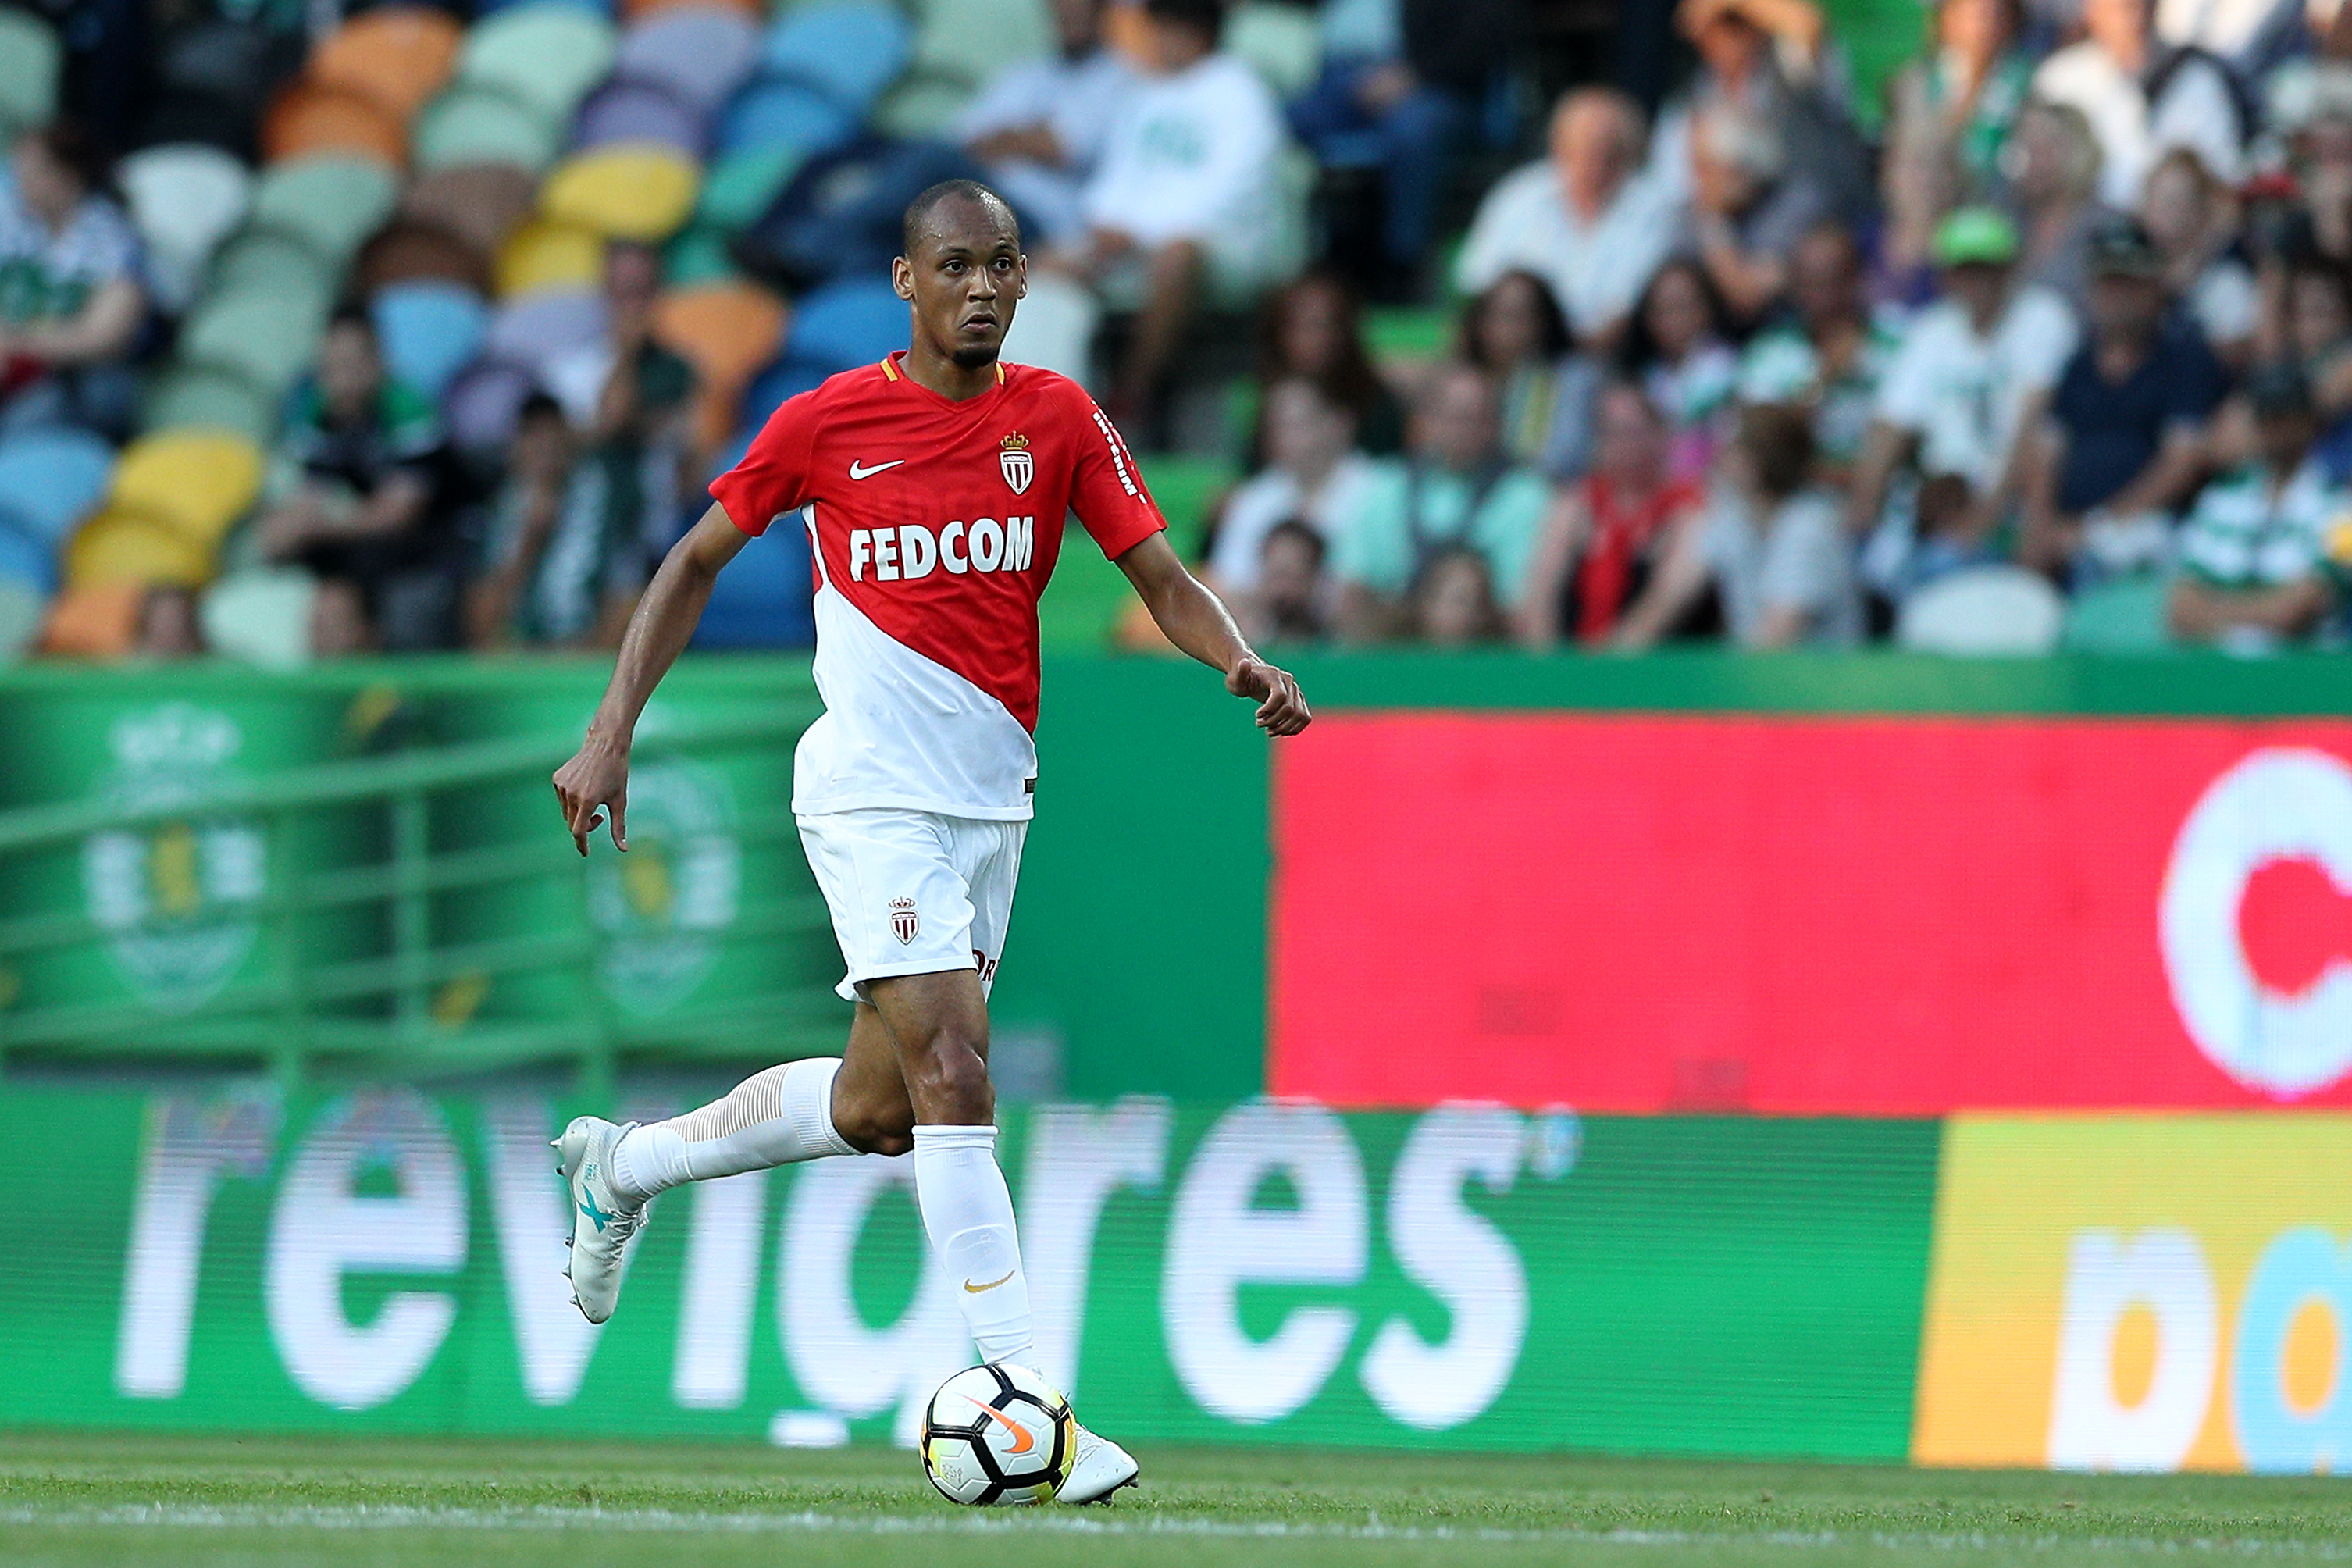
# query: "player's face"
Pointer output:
{"type": "Point", "coordinates": [965, 277]}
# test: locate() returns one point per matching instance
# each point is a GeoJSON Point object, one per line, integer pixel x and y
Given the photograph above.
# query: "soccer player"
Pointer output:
{"type": "Point", "coordinates": [934, 487]}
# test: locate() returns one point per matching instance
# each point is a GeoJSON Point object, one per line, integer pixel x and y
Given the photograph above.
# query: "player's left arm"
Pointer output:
{"type": "Point", "coordinates": [1196, 620]}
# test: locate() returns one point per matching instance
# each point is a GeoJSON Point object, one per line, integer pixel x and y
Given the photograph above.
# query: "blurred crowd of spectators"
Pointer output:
{"type": "Point", "coordinates": [2064, 322]}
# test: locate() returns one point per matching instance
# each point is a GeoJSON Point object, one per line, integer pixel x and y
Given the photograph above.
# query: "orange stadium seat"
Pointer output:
{"type": "Point", "coordinates": [310, 119]}
{"type": "Point", "coordinates": [728, 332]}
{"type": "Point", "coordinates": [398, 56]}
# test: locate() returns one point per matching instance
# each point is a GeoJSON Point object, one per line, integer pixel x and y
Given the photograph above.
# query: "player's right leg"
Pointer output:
{"type": "Point", "coordinates": [855, 1103]}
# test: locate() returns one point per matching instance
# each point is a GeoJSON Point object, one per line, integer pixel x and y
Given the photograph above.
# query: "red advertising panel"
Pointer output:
{"type": "Point", "coordinates": [1865, 916]}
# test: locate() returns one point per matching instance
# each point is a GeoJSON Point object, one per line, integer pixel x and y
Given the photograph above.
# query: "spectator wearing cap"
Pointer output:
{"type": "Point", "coordinates": [2117, 446]}
{"type": "Point", "coordinates": [71, 301]}
{"type": "Point", "coordinates": [2263, 548]}
{"type": "Point", "coordinates": [1586, 220]}
{"type": "Point", "coordinates": [1829, 354]}
{"type": "Point", "coordinates": [1956, 396]}
{"type": "Point", "coordinates": [2143, 99]}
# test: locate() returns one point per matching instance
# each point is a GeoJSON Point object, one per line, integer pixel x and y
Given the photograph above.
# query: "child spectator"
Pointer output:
{"type": "Point", "coordinates": [1457, 487]}
{"type": "Point", "coordinates": [2261, 547]}
{"type": "Point", "coordinates": [71, 301]}
{"type": "Point", "coordinates": [1314, 478]}
{"type": "Point", "coordinates": [1452, 600]}
{"type": "Point", "coordinates": [1594, 576]}
{"type": "Point", "coordinates": [1513, 331]}
{"type": "Point", "coordinates": [1677, 351]}
{"type": "Point", "coordinates": [1829, 354]}
{"type": "Point", "coordinates": [1291, 600]}
{"type": "Point", "coordinates": [1950, 115]}
{"type": "Point", "coordinates": [1781, 561]}
{"type": "Point", "coordinates": [567, 553]}
{"type": "Point", "coordinates": [2119, 444]}
{"type": "Point", "coordinates": [352, 495]}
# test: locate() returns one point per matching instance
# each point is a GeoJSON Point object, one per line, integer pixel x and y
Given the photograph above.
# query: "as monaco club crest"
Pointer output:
{"type": "Point", "coordinates": [903, 919]}
{"type": "Point", "coordinates": [1019, 468]}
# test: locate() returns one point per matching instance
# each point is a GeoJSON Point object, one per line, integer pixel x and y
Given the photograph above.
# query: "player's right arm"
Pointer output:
{"type": "Point", "coordinates": [597, 777]}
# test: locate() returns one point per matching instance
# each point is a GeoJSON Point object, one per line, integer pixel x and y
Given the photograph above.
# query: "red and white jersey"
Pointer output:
{"type": "Point", "coordinates": [934, 525]}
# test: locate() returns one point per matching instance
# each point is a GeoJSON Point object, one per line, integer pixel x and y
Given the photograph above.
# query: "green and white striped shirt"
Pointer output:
{"type": "Point", "coordinates": [2241, 535]}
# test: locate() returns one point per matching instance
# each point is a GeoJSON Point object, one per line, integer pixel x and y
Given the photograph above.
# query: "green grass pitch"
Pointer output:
{"type": "Point", "coordinates": [211, 1502]}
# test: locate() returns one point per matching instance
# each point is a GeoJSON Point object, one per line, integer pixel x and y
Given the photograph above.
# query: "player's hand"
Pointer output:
{"type": "Point", "coordinates": [595, 780]}
{"type": "Point", "coordinates": [1282, 707]}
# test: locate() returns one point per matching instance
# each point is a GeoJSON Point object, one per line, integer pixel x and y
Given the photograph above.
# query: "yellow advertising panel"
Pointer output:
{"type": "Point", "coordinates": [2135, 1292]}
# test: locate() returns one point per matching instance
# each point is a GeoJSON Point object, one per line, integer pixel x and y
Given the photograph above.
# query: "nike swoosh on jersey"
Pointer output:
{"type": "Point", "coordinates": [860, 471]}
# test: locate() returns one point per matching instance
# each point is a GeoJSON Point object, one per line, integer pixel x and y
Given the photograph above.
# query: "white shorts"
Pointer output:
{"type": "Point", "coordinates": [914, 892]}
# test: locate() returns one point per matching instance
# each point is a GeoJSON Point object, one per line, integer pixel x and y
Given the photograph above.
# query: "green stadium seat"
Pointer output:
{"type": "Point", "coordinates": [971, 40]}
{"type": "Point", "coordinates": [473, 124]}
{"type": "Point", "coordinates": [547, 56]}
{"type": "Point", "coordinates": [739, 187]}
{"type": "Point", "coordinates": [21, 608]}
{"type": "Point", "coordinates": [256, 335]}
{"type": "Point", "coordinates": [264, 262]}
{"type": "Point", "coordinates": [923, 106]}
{"type": "Point", "coordinates": [1282, 42]}
{"type": "Point", "coordinates": [2123, 617]}
{"type": "Point", "coordinates": [333, 204]}
{"type": "Point", "coordinates": [30, 60]}
{"type": "Point", "coordinates": [210, 397]}
{"type": "Point", "coordinates": [697, 256]}
{"type": "Point", "coordinates": [185, 199]}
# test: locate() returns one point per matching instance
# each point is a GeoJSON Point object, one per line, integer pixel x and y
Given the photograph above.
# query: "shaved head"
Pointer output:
{"type": "Point", "coordinates": [941, 204]}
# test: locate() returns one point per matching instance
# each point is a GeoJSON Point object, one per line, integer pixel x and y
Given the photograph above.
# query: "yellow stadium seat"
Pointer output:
{"type": "Point", "coordinates": [623, 192]}
{"type": "Point", "coordinates": [195, 482]}
{"type": "Point", "coordinates": [543, 254]}
{"type": "Point", "coordinates": [121, 546]}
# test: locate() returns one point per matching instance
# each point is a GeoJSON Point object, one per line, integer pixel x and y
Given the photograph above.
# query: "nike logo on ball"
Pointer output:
{"type": "Point", "coordinates": [860, 471]}
{"type": "Point", "coordinates": [1022, 1438]}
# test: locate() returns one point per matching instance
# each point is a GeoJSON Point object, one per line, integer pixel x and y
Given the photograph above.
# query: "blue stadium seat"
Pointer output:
{"type": "Point", "coordinates": [846, 324]}
{"type": "Point", "coordinates": [785, 378]}
{"type": "Point", "coordinates": [773, 113]}
{"type": "Point", "coordinates": [430, 330]}
{"type": "Point", "coordinates": [52, 480]}
{"type": "Point", "coordinates": [763, 598]}
{"type": "Point", "coordinates": [25, 558]}
{"type": "Point", "coordinates": [700, 54]}
{"type": "Point", "coordinates": [849, 52]}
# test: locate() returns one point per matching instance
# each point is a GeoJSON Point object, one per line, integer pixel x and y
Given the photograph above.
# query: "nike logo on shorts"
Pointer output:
{"type": "Point", "coordinates": [860, 471]}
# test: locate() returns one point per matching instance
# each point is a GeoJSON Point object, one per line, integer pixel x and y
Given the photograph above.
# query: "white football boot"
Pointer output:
{"type": "Point", "coordinates": [599, 1248]}
{"type": "Point", "coordinates": [1101, 1467]}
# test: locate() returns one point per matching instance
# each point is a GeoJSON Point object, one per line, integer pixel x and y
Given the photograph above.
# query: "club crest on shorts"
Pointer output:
{"type": "Point", "coordinates": [904, 922]}
{"type": "Point", "coordinates": [1018, 466]}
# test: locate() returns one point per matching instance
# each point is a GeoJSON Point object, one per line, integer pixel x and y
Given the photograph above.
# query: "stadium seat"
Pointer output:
{"type": "Point", "coordinates": [702, 54]}
{"type": "Point", "coordinates": [479, 203]}
{"type": "Point", "coordinates": [787, 378]}
{"type": "Point", "coordinates": [698, 254]}
{"type": "Point", "coordinates": [923, 106]}
{"type": "Point", "coordinates": [531, 330]}
{"type": "Point", "coordinates": [398, 55]}
{"type": "Point", "coordinates": [762, 599]}
{"type": "Point", "coordinates": [118, 546]}
{"type": "Point", "coordinates": [742, 186]}
{"type": "Point", "coordinates": [185, 199]}
{"type": "Point", "coordinates": [2126, 615]}
{"type": "Point", "coordinates": [254, 335]}
{"type": "Point", "coordinates": [948, 46]}
{"type": "Point", "coordinates": [790, 115]}
{"type": "Point", "coordinates": [52, 480]}
{"type": "Point", "coordinates": [99, 620]}
{"type": "Point", "coordinates": [30, 60]}
{"type": "Point", "coordinates": [411, 250]}
{"type": "Point", "coordinates": [26, 561]}
{"type": "Point", "coordinates": [479, 409]}
{"type": "Point", "coordinates": [430, 330]}
{"type": "Point", "coordinates": [274, 266]}
{"type": "Point", "coordinates": [332, 203]}
{"type": "Point", "coordinates": [210, 397]}
{"type": "Point", "coordinates": [636, 193]}
{"type": "Point", "coordinates": [727, 330]}
{"type": "Point", "coordinates": [21, 609]}
{"type": "Point", "coordinates": [308, 119]}
{"type": "Point", "coordinates": [846, 324]}
{"type": "Point", "coordinates": [196, 483]}
{"type": "Point", "coordinates": [543, 255]}
{"type": "Point", "coordinates": [1982, 610]}
{"type": "Point", "coordinates": [1282, 42]}
{"type": "Point", "coordinates": [547, 55]}
{"type": "Point", "coordinates": [643, 10]}
{"type": "Point", "coordinates": [625, 113]}
{"type": "Point", "coordinates": [850, 52]}
{"type": "Point", "coordinates": [468, 126]}
{"type": "Point", "coordinates": [260, 617]}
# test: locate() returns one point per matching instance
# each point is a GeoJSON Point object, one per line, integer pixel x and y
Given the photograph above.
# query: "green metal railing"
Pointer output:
{"type": "Point", "coordinates": [405, 999]}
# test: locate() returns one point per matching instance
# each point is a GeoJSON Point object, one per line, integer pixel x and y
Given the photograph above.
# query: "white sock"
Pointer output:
{"type": "Point", "coordinates": [969, 1215]}
{"type": "Point", "coordinates": [775, 1118]}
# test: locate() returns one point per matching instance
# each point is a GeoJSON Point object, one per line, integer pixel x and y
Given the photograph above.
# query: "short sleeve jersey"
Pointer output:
{"type": "Point", "coordinates": [934, 526]}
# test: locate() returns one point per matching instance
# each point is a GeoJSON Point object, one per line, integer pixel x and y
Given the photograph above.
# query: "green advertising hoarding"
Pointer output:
{"type": "Point", "coordinates": [1261, 1270]}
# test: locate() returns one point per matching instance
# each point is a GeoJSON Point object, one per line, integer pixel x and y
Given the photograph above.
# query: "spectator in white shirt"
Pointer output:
{"type": "Point", "coordinates": [2142, 100]}
{"type": "Point", "coordinates": [1587, 220]}
{"type": "Point", "coordinates": [1314, 474]}
{"type": "Point", "coordinates": [1040, 125]}
{"type": "Point", "coordinates": [1188, 198]}
{"type": "Point", "coordinates": [1954, 400]}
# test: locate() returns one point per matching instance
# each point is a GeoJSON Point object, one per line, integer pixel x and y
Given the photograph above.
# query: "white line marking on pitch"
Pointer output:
{"type": "Point", "coordinates": [188, 1516]}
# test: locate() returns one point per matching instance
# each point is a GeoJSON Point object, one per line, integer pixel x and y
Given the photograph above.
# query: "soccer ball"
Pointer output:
{"type": "Point", "coordinates": [998, 1434]}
